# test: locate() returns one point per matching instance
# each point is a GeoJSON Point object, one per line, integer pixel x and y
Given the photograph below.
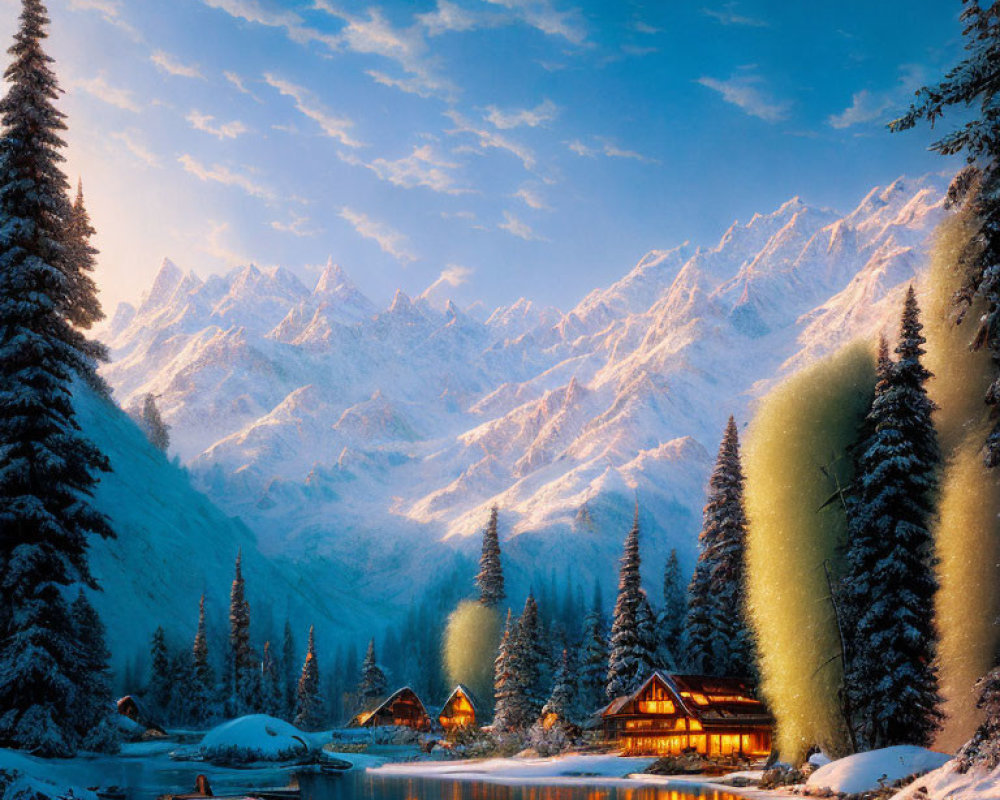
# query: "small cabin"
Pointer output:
{"type": "Point", "coordinates": [459, 710]}
{"type": "Point", "coordinates": [671, 714]}
{"type": "Point", "coordinates": [402, 709]}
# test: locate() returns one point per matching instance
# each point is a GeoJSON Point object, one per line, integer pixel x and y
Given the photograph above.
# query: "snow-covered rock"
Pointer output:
{"type": "Point", "coordinates": [865, 772]}
{"type": "Point", "coordinates": [947, 783]}
{"type": "Point", "coordinates": [258, 737]}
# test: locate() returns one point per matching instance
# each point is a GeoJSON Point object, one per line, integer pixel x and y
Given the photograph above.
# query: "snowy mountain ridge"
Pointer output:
{"type": "Point", "coordinates": [359, 435]}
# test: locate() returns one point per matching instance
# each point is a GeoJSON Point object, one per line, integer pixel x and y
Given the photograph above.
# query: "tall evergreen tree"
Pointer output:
{"type": "Point", "coordinates": [272, 700]}
{"type": "Point", "coordinates": [626, 662]}
{"type": "Point", "coordinates": [649, 653]}
{"type": "Point", "coordinates": [889, 582]}
{"type": "Point", "coordinates": [593, 661]}
{"type": "Point", "coordinates": [203, 690]}
{"type": "Point", "coordinates": [309, 700]}
{"type": "Point", "coordinates": [725, 526]}
{"type": "Point", "coordinates": [47, 468]}
{"type": "Point", "coordinates": [975, 81]}
{"type": "Point", "coordinates": [372, 686]}
{"type": "Point", "coordinates": [240, 662]}
{"type": "Point", "coordinates": [490, 577]}
{"type": "Point", "coordinates": [159, 686]}
{"type": "Point", "coordinates": [983, 749]}
{"type": "Point", "coordinates": [152, 424]}
{"type": "Point", "coordinates": [528, 662]}
{"type": "Point", "coordinates": [670, 620]}
{"type": "Point", "coordinates": [699, 627]}
{"type": "Point", "coordinates": [288, 670]}
{"type": "Point", "coordinates": [83, 308]}
{"type": "Point", "coordinates": [93, 709]}
{"type": "Point", "coordinates": [505, 689]}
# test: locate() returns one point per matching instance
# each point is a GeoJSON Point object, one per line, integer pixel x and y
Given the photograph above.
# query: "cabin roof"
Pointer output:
{"type": "Point", "coordinates": [725, 699]}
{"type": "Point", "coordinates": [461, 688]}
{"type": "Point", "coordinates": [392, 698]}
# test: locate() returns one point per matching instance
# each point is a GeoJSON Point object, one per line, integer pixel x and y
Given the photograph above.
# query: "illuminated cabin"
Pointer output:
{"type": "Point", "coordinates": [459, 710]}
{"type": "Point", "coordinates": [670, 714]}
{"type": "Point", "coordinates": [402, 709]}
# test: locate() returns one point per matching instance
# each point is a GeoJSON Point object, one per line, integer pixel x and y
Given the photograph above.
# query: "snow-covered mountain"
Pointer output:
{"type": "Point", "coordinates": [372, 440]}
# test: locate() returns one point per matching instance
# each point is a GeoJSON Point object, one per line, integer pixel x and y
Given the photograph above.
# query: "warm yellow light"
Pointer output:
{"type": "Point", "coordinates": [656, 707]}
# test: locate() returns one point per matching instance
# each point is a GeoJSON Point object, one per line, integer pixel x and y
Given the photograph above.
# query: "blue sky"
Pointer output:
{"type": "Point", "coordinates": [504, 147]}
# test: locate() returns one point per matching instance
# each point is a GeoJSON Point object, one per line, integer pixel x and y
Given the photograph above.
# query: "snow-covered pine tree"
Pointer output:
{"type": "Point", "coordinates": [699, 626]}
{"type": "Point", "coordinates": [983, 749]}
{"type": "Point", "coordinates": [975, 81]}
{"type": "Point", "coordinates": [272, 701]}
{"type": "Point", "coordinates": [241, 660]}
{"type": "Point", "coordinates": [309, 714]}
{"type": "Point", "coordinates": [505, 689]}
{"type": "Point", "coordinates": [592, 672]}
{"type": "Point", "coordinates": [47, 469]}
{"type": "Point", "coordinates": [624, 662]}
{"type": "Point", "coordinates": [288, 671]}
{"type": "Point", "coordinates": [181, 682]}
{"type": "Point", "coordinates": [93, 710]}
{"type": "Point", "coordinates": [889, 583]}
{"type": "Point", "coordinates": [562, 700]}
{"type": "Point", "coordinates": [490, 577]}
{"type": "Point", "coordinates": [158, 690]}
{"type": "Point", "coordinates": [372, 686]}
{"type": "Point", "coordinates": [724, 532]}
{"type": "Point", "coordinates": [152, 424]}
{"type": "Point", "coordinates": [649, 652]}
{"type": "Point", "coordinates": [203, 676]}
{"type": "Point", "coordinates": [527, 663]}
{"type": "Point", "coordinates": [670, 620]}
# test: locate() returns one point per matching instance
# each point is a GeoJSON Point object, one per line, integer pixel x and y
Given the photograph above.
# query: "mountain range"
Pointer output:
{"type": "Point", "coordinates": [366, 444]}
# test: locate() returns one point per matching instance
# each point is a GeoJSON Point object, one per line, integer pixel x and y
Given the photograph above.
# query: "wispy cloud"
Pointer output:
{"type": "Point", "coordinates": [223, 130]}
{"type": "Point", "coordinates": [307, 104]}
{"type": "Point", "coordinates": [488, 139]}
{"type": "Point", "coordinates": [110, 11]}
{"type": "Point", "coordinates": [518, 228]}
{"type": "Point", "coordinates": [172, 66]}
{"type": "Point", "coordinates": [541, 114]}
{"type": "Point", "coordinates": [240, 84]}
{"type": "Point", "coordinates": [423, 167]}
{"type": "Point", "coordinates": [868, 106]}
{"type": "Point", "coordinates": [389, 240]}
{"type": "Point", "coordinates": [543, 16]}
{"type": "Point", "coordinates": [217, 173]}
{"type": "Point", "coordinates": [298, 226]}
{"type": "Point", "coordinates": [728, 15]}
{"type": "Point", "coordinates": [291, 23]}
{"type": "Point", "coordinates": [744, 91]}
{"type": "Point", "coordinates": [131, 143]}
{"type": "Point", "coordinates": [450, 18]}
{"type": "Point", "coordinates": [372, 34]}
{"type": "Point", "coordinates": [112, 95]}
{"type": "Point", "coordinates": [607, 148]}
{"type": "Point", "coordinates": [452, 275]}
{"type": "Point", "coordinates": [532, 199]}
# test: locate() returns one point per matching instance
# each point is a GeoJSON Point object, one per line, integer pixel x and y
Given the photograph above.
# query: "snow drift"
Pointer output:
{"type": "Point", "coordinates": [866, 772]}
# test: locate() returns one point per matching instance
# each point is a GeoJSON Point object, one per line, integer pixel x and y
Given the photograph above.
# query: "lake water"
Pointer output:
{"type": "Point", "coordinates": [363, 786]}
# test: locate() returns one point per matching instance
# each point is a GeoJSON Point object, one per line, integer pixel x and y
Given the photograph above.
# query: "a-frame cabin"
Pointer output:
{"type": "Point", "coordinates": [402, 709]}
{"type": "Point", "coordinates": [671, 714]}
{"type": "Point", "coordinates": [459, 710]}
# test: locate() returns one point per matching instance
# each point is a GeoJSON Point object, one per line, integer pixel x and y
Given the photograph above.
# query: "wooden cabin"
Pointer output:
{"type": "Point", "coordinates": [459, 710]}
{"type": "Point", "coordinates": [402, 709]}
{"type": "Point", "coordinates": [671, 714]}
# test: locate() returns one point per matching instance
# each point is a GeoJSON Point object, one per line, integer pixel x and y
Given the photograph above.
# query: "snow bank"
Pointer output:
{"type": "Point", "coordinates": [258, 737]}
{"type": "Point", "coordinates": [539, 771]}
{"type": "Point", "coordinates": [35, 777]}
{"type": "Point", "coordinates": [863, 771]}
{"type": "Point", "coordinates": [947, 783]}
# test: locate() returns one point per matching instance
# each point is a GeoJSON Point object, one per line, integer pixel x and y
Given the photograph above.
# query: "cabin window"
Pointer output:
{"type": "Point", "coordinates": [656, 707]}
{"type": "Point", "coordinates": [698, 698]}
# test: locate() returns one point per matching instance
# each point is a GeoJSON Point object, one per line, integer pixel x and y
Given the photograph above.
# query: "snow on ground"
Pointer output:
{"type": "Point", "coordinates": [560, 769]}
{"type": "Point", "coordinates": [35, 776]}
{"type": "Point", "coordinates": [258, 737]}
{"type": "Point", "coordinates": [947, 783]}
{"type": "Point", "coordinates": [863, 772]}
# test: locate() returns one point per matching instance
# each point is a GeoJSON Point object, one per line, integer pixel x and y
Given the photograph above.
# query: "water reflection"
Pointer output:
{"type": "Point", "coordinates": [361, 786]}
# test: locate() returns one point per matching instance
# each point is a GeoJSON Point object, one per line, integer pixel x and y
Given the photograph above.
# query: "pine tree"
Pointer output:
{"type": "Point", "coordinates": [889, 583]}
{"type": "Point", "coordinates": [527, 664]}
{"type": "Point", "coordinates": [93, 709]}
{"type": "Point", "coordinates": [83, 308]}
{"type": "Point", "coordinates": [975, 81]}
{"type": "Point", "coordinates": [562, 700]}
{"type": "Point", "coordinates": [308, 699]}
{"type": "Point", "coordinates": [203, 676]}
{"type": "Point", "coordinates": [506, 692]}
{"type": "Point", "coordinates": [152, 424]}
{"type": "Point", "coordinates": [272, 701]}
{"type": "Point", "coordinates": [288, 670]}
{"type": "Point", "coordinates": [240, 653]}
{"type": "Point", "coordinates": [159, 687]}
{"type": "Point", "coordinates": [670, 620]}
{"type": "Point", "coordinates": [983, 749]}
{"type": "Point", "coordinates": [47, 469]}
{"type": "Point", "coordinates": [181, 671]}
{"type": "Point", "coordinates": [648, 652]}
{"type": "Point", "coordinates": [490, 577]}
{"type": "Point", "coordinates": [699, 627]}
{"type": "Point", "coordinates": [593, 661]}
{"type": "Point", "coordinates": [725, 527]}
{"type": "Point", "coordinates": [625, 665]}
{"type": "Point", "coordinates": [372, 686]}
